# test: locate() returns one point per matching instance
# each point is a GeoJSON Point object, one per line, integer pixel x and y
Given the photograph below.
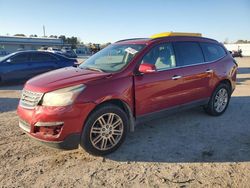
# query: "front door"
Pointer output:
{"type": "Point", "coordinates": [161, 89]}
{"type": "Point", "coordinates": [17, 67]}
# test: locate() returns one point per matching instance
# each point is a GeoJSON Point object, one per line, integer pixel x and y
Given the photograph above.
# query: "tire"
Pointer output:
{"type": "Point", "coordinates": [213, 108]}
{"type": "Point", "coordinates": [105, 130]}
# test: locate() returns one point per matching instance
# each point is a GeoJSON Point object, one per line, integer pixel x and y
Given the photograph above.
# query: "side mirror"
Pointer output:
{"type": "Point", "coordinates": [147, 68]}
{"type": "Point", "coordinates": [8, 61]}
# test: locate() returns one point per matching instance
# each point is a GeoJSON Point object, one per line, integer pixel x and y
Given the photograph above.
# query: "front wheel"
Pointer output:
{"type": "Point", "coordinates": [105, 130]}
{"type": "Point", "coordinates": [219, 100]}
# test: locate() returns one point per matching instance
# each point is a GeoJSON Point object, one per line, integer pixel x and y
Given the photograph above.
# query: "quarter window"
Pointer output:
{"type": "Point", "coordinates": [212, 51]}
{"type": "Point", "coordinates": [188, 53]}
{"type": "Point", "coordinates": [162, 56]}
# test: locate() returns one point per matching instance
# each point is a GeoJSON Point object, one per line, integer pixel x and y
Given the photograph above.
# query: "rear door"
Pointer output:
{"type": "Point", "coordinates": [161, 89]}
{"type": "Point", "coordinates": [42, 62]}
{"type": "Point", "coordinates": [195, 72]}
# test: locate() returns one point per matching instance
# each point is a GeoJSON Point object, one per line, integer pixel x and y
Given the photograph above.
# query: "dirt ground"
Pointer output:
{"type": "Point", "coordinates": [188, 149]}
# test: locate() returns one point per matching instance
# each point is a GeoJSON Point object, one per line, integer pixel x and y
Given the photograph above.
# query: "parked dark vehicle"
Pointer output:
{"type": "Point", "coordinates": [20, 66]}
{"type": "Point", "coordinates": [3, 52]}
{"type": "Point", "coordinates": [69, 53]}
{"type": "Point", "coordinates": [237, 53]}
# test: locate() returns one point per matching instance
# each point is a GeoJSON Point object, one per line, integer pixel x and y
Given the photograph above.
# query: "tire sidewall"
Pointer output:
{"type": "Point", "coordinates": [85, 141]}
{"type": "Point", "coordinates": [212, 100]}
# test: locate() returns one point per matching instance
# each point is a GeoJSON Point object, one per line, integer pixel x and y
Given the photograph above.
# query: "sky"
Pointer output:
{"type": "Point", "coordinates": [101, 21]}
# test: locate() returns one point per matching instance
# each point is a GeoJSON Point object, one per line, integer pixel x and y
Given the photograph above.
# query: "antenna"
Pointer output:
{"type": "Point", "coordinates": [44, 31]}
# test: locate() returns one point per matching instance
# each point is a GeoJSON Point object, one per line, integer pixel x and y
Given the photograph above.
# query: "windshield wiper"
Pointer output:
{"type": "Point", "coordinates": [94, 69]}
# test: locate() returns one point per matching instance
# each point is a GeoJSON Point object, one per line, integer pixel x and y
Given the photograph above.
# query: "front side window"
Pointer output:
{"type": "Point", "coordinates": [162, 56]}
{"type": "Point", "coordinates": [188, 53]}
{"type": "Point", "coordinates": [112, 58]}
{"type": "Point", "coordinates": [212, 51]}
{"type": "Point", "coordinates": [20, 58]}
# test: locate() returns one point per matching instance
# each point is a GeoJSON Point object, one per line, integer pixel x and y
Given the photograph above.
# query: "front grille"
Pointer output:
{"type": "Point", "coordinates": [24, 125]}
{"type": "Point", "coordinates": [30, 99]}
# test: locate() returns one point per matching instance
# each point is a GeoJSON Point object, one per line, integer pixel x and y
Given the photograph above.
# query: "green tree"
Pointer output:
{"type": "Point", "coordinates": [53, 36]}
{"type": "Point", "coordinates": [73, 41]}
{"type": "Point", "coordinates": [63, 38]}
{"type": "Point", "coordinates": [33, 35]}
{"type": "Point", "coordinates": [20, 35]}
{"type": "Point", "coordinates": [242, 41]}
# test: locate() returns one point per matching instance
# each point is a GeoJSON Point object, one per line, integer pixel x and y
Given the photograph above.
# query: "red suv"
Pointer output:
{"type": "Point", "coordinates": [133, 80]}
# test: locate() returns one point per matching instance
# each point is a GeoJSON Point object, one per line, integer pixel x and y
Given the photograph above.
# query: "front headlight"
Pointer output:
{"type": "Point", "coordinates": [62, 97]}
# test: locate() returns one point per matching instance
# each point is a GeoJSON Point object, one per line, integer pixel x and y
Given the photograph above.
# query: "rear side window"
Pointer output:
{"type": "Point", "coordinates": [212, 51]}
{"type": "Point", "coordinates": [188, 53]}
{"type": "Point", "coordinates": [41, 57]}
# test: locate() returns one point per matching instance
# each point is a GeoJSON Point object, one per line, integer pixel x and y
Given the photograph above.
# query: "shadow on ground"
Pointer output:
{"type": "Point", "coordinates": [242, 80]}
{"type": "Point", "coordinates": [192, 136]}
{"type": "Point", "coordinates": [243, 70]}
{"type": "Point", "coordinates": [8, 104]}
{"type": "Point", "coordinates": [11, 87]}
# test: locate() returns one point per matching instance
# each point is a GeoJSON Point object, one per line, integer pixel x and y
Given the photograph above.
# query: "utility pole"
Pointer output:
{"type": "Point", "coordinates": [44, 31]}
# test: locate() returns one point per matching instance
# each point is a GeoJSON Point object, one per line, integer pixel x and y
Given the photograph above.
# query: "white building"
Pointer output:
{"type": "Point", "coordinates": [235, 47]}
{"type": "Point", "coordinates": [11, 44]}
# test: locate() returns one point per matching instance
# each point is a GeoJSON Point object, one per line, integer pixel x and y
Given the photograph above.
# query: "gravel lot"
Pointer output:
{"type": "Point", "coordinates": [188, 149]}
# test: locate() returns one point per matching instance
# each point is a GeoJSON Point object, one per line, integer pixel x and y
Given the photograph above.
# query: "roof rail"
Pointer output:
{"type": "Point", "coordinates": [131, 39]}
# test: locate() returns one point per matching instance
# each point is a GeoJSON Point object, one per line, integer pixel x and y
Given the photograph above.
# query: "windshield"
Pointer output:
{"type": "Point", "coordinates": [112, 58]}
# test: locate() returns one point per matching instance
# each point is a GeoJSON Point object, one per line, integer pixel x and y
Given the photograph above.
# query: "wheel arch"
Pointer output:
{"type": "Point", "coordinates": [124, 106]}
{"type": "Point", "coordinates": [225, 81]}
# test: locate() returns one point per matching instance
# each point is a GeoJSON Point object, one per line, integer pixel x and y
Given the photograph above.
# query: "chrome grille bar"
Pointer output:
{"type": "Point", "coordinates": [30, 99]}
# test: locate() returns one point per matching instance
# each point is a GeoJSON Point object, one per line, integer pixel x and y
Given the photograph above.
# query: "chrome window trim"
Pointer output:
{"type": "Point", "coordinates": [171, 42]}
{"type": "Point", "coordinates": [177, 67]}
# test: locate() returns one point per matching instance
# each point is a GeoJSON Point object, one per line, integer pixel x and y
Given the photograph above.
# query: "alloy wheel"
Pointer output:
{"type": "Point", "coordinates": [221, 100]}
{"type": "Point", "coordinates": [106, 131]}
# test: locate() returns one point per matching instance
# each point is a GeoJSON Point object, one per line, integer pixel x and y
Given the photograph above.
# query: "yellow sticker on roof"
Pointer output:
{"type": "Point", "coordinates": [169, 34]}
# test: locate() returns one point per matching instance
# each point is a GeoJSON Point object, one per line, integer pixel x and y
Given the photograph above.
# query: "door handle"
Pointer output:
{"type": "Point", "coordinates": [176, 77]}
{"type": "Point", "coordinates": [209, 71]}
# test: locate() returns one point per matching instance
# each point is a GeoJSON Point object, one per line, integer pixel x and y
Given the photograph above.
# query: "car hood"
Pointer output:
{"type": "Point", "coordinates": [61, 78]}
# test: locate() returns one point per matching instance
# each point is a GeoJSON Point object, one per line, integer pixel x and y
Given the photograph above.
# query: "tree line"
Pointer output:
{"type": "Point", "coordinates": [240, 41]}
{"type": "Point", "coordinates": [73, 41]}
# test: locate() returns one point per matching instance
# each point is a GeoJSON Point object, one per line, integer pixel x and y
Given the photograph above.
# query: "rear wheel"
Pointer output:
{"type": "Point", "coordinates": [219, 100]}
{"type": "Point", "coordinates": [105, 130]}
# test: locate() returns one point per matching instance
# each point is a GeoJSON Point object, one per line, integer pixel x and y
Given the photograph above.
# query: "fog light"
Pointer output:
{"type": "Point", "coordinates": [49, 128]}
